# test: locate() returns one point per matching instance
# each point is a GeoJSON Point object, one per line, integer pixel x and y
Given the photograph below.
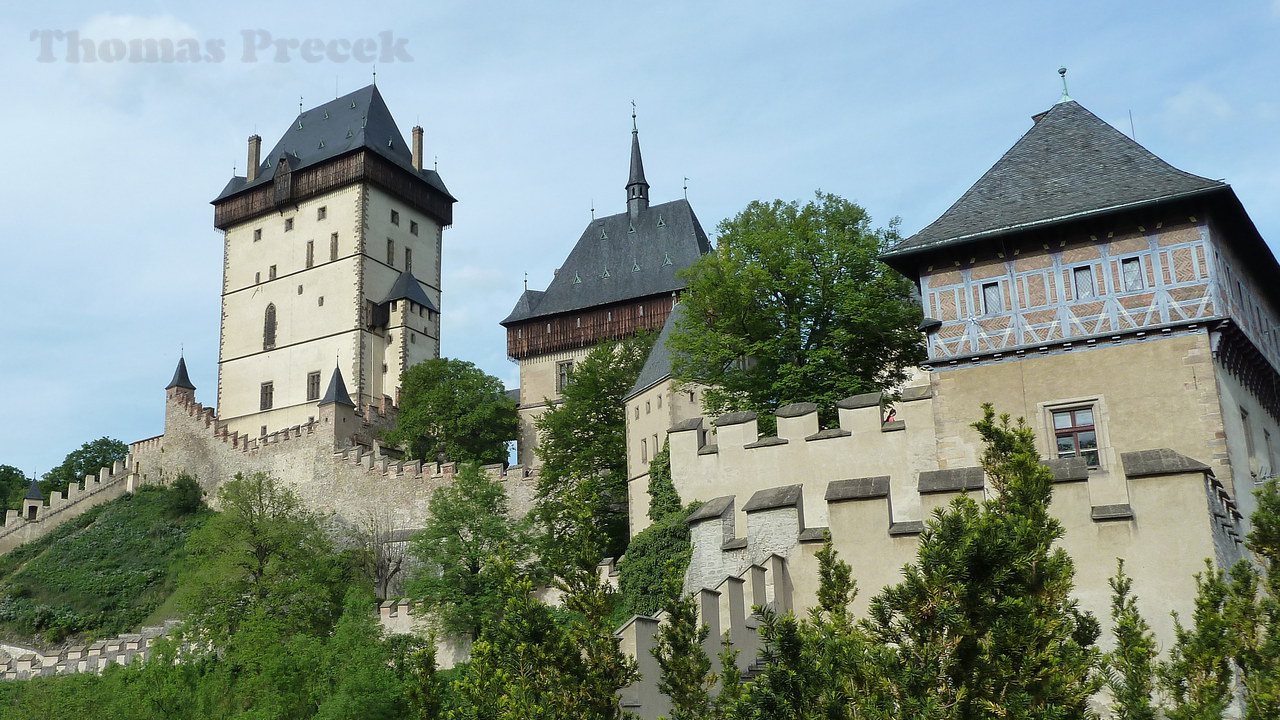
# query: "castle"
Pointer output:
{"type": "Point", "coordinates": [1125, 308]}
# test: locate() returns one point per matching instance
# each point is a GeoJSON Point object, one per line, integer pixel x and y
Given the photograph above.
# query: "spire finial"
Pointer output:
{"type": "Point", "coordinates": [375, 74]}
{"type": "Point", "coordinates": [526, 282]}
{"type": "Point", "coordinates": [686, 188]}
{"type": "Point", "coordinates": [593, 208]}
{"type": "Point", "coordinates": [299, 104]}
{"type": "Point", "coordinates": [634, 128]}
{"type": "Point", "coordinates": [1062, 72]}
{"type": "Point", "coordinates": [435, 163]}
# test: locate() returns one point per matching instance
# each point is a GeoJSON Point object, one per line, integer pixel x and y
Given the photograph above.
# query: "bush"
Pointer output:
{"type": "Point", "coordinates": [185, 495]}
{"type": "Point", "coordinates": [656, 557]}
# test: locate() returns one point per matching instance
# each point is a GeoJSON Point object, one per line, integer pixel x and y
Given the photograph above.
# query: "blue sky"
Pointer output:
{"type": "Point", "coordinates": [112, 265]}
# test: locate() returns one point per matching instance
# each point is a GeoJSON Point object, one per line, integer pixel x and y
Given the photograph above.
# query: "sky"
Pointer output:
{"type": "Point", "coordinates": [112, 267]}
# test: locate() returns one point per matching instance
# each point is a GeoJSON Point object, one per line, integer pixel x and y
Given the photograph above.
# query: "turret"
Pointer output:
{"type": "Point", "coordinates": [32, 503]}
{"type": "Point", "coordinates": [637, 187]}
{"type": "Point", "coordinates": [180, 386]}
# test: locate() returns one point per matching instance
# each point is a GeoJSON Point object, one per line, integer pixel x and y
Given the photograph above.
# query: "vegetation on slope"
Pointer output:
{"type": "Point", "coordinates": [102, 573]}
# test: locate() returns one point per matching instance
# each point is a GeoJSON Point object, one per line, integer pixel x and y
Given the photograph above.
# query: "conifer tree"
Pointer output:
{"type": "Point", "coordinates": [1131, 666]}
{"type": "Point", "coordinates": [1252, 609]}
{"type": "Point", "coordinates": [1197, 675]}
{"type": "Point", "coordinates": [686, 670]}
{"type": "Point", "coordinates": [983, 623]}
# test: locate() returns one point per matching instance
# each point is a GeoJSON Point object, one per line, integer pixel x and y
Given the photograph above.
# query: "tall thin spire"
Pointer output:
{"type": "Point", "coordinates": [637, 187]}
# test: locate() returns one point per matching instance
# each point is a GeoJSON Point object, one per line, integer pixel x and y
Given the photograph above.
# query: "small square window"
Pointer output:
{"type": "Point", "coordinates": [320, 301]}
{"type": "Point", "coordinates": [1076, 435]}
{"type": "Point", "coordinates": [1082, 277]}
{"type": "Point", "coordinates": [313, 385]}
{"type": "Point", "coordinates": [395, 217]}
{"type": "Point", "coordinates": [992, 300]}
{"type": "Point", "coordinates": [413, 227]}
{"type": "Point", "coordinates": [1131, 273]}
{"type": "Point", "coordinates": [257, 234]}
{"type": "Point", "coordinates": [322, 212]}
{"type": "Point", "coordinates": [288, 224]}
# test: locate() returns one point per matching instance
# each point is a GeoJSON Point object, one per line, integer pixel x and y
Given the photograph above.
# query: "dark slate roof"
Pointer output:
{"type": "Point", "coordinates": [667, 238]}
{"type": "Point", "coordinates": [407, 287]}
{"type": "Point", "coordinates": [1069, 164]}
{"type": "Point", "coordinates": [33, 490]}
{"type": "Point", "coordinates": [636, 176]}
{"type": "Point", "coordinates": [657, 367]}
{"type": "Point", "coordinates": [337, 392]}
{"type": "Point", "coordinates": [180, 378]}
{"type": "Point", "coordinates": [355, 120]}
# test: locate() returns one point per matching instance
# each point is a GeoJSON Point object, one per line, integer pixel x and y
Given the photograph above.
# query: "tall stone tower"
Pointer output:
{"type": "Point", "coordinates": [331, 255]}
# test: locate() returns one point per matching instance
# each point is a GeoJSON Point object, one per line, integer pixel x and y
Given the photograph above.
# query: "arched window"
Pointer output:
{"type": "Point", "coordinates": [269, 328]}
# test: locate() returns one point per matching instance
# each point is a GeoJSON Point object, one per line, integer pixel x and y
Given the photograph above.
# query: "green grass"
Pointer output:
{"type": "Point", "coordinates": [101, 574]}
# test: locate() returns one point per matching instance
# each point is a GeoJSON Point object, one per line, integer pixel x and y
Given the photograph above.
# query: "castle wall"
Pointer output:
{"type": "Point", "coordinates": [108, 484]}
{"type": "Point", "coordinates": [650, 414]}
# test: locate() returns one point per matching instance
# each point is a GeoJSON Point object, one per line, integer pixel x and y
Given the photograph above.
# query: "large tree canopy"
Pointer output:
{"type": "Point", "coordinates": [88, 459]}
{"type": "Point", "coordinates": [794, 306]}
{"type": "Point", "coordinates": [452, 410]}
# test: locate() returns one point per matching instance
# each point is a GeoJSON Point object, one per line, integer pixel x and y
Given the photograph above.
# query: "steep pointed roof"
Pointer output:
{"type": "Point", "coordinates": [180, 379]}
{"type": "Point", "coordinates": [1070, 164]}
{"type": "Point", "coordinates": [337, 393]}
{"type": "Point", "coordinates": [356, 120]}
{"type": "Point", "coordinates": [621, 258]}
{"type": "Point", "coordinates": [33, 491]}
{"type": "Point", "coordinates": [406, 287]}
{"type": "Point", "coordinates": [637, 186]}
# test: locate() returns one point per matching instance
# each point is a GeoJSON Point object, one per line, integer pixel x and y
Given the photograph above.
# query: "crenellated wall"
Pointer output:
{"type": "Point", "coordinates": [38, 519]}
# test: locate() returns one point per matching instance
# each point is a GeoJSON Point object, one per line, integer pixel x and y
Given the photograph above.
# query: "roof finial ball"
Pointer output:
{"type": "Point", "coordinates": [1062, 72]}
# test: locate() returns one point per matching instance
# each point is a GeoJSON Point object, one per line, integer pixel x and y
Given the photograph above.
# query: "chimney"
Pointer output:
{"type": "Point", "coordinates": [255, 150]}
{"type": "Point", "coordinates": [417, 147]}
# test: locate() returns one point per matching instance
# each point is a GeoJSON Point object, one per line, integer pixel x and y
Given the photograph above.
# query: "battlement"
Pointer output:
{"type": "Point", "coordinates": [22, 663]}
{"type": "Point", "coordinates": [38, 518]}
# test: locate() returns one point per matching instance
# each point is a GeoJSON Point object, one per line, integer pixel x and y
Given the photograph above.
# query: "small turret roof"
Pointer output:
{"type": "Point", "coordinates": [1068, 165]}
{"type": "Point", "coordinates": [636, 176]}
{"type": "Point", "coordinates": [407, 287]}
{"type": "Point", "coordinates": [33, 490]}
{"type": "Point", "coordinates": [180, 378]}
{"type": "Point", "coordinates": [337, 393]}
{"type": "Point", "coordinates": [356, 120]}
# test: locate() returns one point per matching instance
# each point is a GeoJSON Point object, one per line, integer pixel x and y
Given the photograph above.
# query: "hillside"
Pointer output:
{"type": "Point", "coordinates": [103, 573]}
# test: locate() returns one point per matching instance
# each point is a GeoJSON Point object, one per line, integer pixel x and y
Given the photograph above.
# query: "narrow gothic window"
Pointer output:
{"type": "Point", "coordinates": [391, 252]}
{"type": "Point", "coordinates": [333, 247]}
{"type": "Point", "coordinates": [271, 273]}
{"type": "Point", "coordinates": [644, 451]}
{"type": "Point", "coordinates": [269, 328]}
{"type": "Point", "coordinates": [267, 397]}
{"type": "Point", "coordinates": [408, 260]}
{"type": "Point", "coordinates": [313, 385]}
{"type": "Point", "coordinates": [311, 253]}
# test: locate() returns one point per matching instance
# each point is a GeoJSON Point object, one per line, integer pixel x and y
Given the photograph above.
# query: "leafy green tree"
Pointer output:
{"type": "Point", "coordinates": [451, 410]}
{"type": "Point", "coordinates": [425, 688]}
{"type": "Point", "coordinates": [13, 487]}
{"type": "Point", "coordinates": [983, 623]}
{"type": "Point", "coordinates": [265, 559]}
{"type": "Point", "coordinates": [1131, 666]}
{"type": "Point", "coordinates": [657, 557]}
{"type": "Point", "coordinates": [794, 306]}
{"type": "Point", "coordinates": [88, 459]}
{"type": "Point", "coordinates": [686, 670]}
{"type": "Point", "coordinates": [358, 683]}
{"type": "Point", "coordinates": [471, 526]}
{"type": "Point", "coordinates": [1197, 675]}
{"type": "Point", "coordinates": [583, 446]}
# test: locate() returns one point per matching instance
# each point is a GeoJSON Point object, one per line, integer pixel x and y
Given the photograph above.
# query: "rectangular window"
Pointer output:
{"type": "Point", "coordinates": [333, 247]}
{"type": "Point", "coordinates": [395, 217]}
{"type": "Point", "coordinates": [1131, 274]}
{"type": "Point", "coordinates": [311, 253]}
{"type": "Point", "coordinates": [257, 234]}
{"type": "Point", "coordinates": [1248, 433]}
{"type": "Point", "coordinates": [992, 300]}
{"type": "Point", "coordinates": [391, 252]}
{"type": "Point", "coordinates": [321, 212]}
{"type": "Point", "coordinates": [408, 260]}
{"type": "Point", "coordinates": [288, 224]}
{"type": "Point", "coordinates": [1083, 280]}
{"type": "Point", "coordinates": [1076, 435]}
{"type": "Point", "coordinates": [313, 385]}
{"type": "Point", "coordinates": [257, 278]}
{"type": "Point", "coordinates": [1271, 452]}
{"type": "Point", "coordinates": [271, 273]}
{"type": "Point", "coordinates": [644, 450]}
{"type": "Point", "coordinates": [563, 372]}
{"type": "Point", "coordinates": [267, 397]}
{"type": "Point", "coordinates": [413, 227]}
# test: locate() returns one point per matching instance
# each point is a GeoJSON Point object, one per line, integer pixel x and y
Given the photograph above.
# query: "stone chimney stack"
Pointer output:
{"type": "Point", "coordinates": [255, 157]}
{"type": "Point", "coordinates": [417, 147]}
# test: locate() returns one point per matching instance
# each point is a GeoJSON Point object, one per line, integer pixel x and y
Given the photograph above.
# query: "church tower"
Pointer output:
{"type": "Point", "coordinates": [331, 252]}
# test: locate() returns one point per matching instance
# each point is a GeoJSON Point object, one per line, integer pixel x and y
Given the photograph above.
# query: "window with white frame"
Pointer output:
{"type": "Point", "coordinates": [1082, 278]}
{"type": "Point", "coordinates": [992, 300]}
{"type": "Point", "coordinates": [1131, 274]}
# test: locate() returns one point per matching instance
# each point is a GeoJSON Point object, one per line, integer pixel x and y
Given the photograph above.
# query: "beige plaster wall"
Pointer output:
{"type": "Point", "coordinates": [537, 388]}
